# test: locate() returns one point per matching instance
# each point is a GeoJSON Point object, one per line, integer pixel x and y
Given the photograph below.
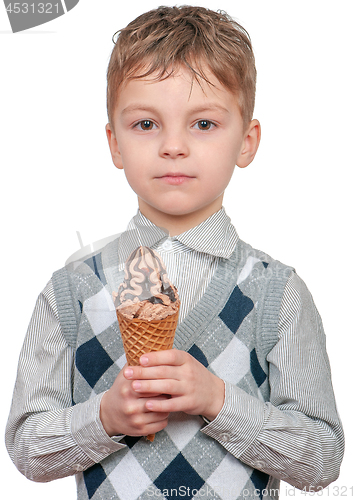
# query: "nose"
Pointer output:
{"type": "Point", "coordinates": [174, 145]}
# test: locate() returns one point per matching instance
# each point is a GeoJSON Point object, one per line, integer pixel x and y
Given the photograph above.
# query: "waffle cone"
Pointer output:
{"type": "Point", "coordinates": [140, 336]}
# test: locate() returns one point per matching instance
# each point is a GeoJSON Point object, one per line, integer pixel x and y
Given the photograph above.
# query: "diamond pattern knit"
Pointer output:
{"type": "Point", "coordinates": [230, 331]}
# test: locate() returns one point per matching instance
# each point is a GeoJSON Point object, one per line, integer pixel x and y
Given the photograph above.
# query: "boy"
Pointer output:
{"type": "Point", "coordinates": [245, 398]}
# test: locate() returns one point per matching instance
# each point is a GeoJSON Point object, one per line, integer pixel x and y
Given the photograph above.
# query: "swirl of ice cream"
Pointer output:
{"type": "Point", "coordinates": [146, 282]}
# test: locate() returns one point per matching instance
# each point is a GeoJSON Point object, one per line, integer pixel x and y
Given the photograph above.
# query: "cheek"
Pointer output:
{"type": "Point", "coordinates": [134, 178]}
{"type": "Point", "coordinates": [220, 170]}
{"type": "Point", "coordinates": [132, 160]}
{"type": "Point", "coordinates": [223, 152]}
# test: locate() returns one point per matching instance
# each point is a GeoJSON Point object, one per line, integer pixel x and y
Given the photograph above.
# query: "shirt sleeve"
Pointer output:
{"type": "Point", "coordinates": [46, 437]}
{"type": "Point", "coordinates": [296, 436]}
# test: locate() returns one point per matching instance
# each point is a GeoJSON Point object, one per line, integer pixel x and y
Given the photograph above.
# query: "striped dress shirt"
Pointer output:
{"type": "Point", "coordinates": [59, 439]}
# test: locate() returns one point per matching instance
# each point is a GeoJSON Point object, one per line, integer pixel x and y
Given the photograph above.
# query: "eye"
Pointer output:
{"type": "Point", "coordinates": [204, 125]}
{"type": "Point", "coordinates": [145, 125]}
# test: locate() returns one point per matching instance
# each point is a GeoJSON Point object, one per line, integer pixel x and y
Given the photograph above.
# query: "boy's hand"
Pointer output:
{"type": "Point", "coordinates": [192, 388]}
{"type": "Point", "coordinates": [123, 410]}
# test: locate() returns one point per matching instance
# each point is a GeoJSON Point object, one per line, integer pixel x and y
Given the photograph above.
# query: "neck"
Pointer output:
{"type": "Point", "coordinates": [177, 224]}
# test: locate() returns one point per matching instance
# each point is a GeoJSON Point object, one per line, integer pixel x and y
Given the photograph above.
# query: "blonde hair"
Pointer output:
{"type": "Point", "coordinates": [168, 38]}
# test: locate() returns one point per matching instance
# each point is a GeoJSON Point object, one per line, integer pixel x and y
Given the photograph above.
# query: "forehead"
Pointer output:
{"type": "Point", "coordinates": [178, 84]}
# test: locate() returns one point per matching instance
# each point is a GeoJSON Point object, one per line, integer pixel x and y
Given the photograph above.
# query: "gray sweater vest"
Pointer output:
{"type": "Point", "coordinates": [230, 331]}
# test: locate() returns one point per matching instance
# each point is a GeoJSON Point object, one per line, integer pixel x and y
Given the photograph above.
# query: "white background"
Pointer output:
{"type": "Point", "coordinates": [295, 202]}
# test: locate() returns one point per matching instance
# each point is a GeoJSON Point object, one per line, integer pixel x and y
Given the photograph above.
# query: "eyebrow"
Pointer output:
{"type": "Point", "coordinates": [199, 109]}
{"type": "Point", "coordinates": [138, 107]}
{"type": "Point", "coordinates": [210, 107]}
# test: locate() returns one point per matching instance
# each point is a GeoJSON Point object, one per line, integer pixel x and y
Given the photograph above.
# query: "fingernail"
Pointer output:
{"type": "Point", "coordinates": [149, 405]}
{"type": "Point", "coordinates": [128, 373]}
{"type": "Point", "coordinates": [136, 385]}
{"type": "Point", "coordinates": [144, 360]}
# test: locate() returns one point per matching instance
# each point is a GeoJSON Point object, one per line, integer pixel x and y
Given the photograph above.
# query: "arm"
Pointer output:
{"type": "Point", "coordinates": [48, 438]}
{"type": "Point", "coordinates": [297, 437]}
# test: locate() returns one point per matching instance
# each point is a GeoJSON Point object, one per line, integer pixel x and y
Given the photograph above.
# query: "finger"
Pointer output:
{"type": "Point", "coordinates": [151, 372]}
{"type": "Point", "coordinates": [152, 417]}
{"type": "Point", "coordinates": [155, 427]}
{"type": "Point", "coordinates": [158, 386]}
{"type": "Point", "coordinates": [165, 406]}
{"type": "Point", "coordinates": [148, 423]}
{"type": "Point", "coordinates": [138, 412]}
{"type": "Point", "coordinates": [168, 357]}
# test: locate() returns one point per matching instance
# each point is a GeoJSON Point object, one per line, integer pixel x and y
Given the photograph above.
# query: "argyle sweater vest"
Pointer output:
{"type": "Point", "coordinates": [230, 331]}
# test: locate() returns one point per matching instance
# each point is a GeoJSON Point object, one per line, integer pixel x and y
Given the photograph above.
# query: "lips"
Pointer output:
{"type": "Point", "coordinates": [175, 178]}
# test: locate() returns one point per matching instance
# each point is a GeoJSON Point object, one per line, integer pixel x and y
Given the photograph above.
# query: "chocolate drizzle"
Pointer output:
{"type": "Point", "coordinates": [145, 278]}
{"type": "Point", "coordinates": [164, 291]}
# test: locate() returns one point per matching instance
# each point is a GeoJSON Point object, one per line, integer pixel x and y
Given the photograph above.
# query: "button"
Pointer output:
{"type": "Point", "coordinates": [259, 464]}
{"type": "Point", "coordinates": [167, 245]}
{"type": "Point", "coordinates": [103, 449]}
{"type": "Point", "coordinates": [225, 437]}
{"type": "Point", "coordinates": [78, 467]}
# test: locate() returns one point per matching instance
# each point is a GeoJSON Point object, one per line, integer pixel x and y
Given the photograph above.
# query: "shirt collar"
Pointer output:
{"type": "Point", "coordinates": [215, 236]}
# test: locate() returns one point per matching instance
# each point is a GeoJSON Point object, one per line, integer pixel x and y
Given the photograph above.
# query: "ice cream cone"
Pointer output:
{"type": "Point", "coordinates": [141, 336]}
{"type": "Point", "coordinates": [147, 306]}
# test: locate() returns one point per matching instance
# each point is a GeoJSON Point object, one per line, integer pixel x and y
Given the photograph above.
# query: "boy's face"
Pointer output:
{"type": "Point", "coordinates": [178, 143]}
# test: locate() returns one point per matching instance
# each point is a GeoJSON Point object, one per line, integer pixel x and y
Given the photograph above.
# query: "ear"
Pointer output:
{"type": "Point", "coordinates": [250, 144]}
{"type": "Point", "coordinates": [113, 146]}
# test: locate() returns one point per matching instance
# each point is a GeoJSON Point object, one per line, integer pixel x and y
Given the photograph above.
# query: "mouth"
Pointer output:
{"type": "Point", "coordinates": [175, 178]}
